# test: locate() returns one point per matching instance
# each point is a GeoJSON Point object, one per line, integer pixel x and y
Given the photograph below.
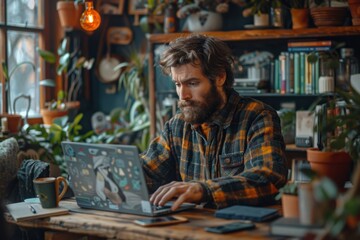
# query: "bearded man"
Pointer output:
{"type": "Point", "coordinates": [221, 149]}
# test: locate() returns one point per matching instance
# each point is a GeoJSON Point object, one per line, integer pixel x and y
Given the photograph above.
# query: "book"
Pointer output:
{"type": "Point", "coordinates": [292, 227]}
{"type": "Point", "coordinates": [310, 43]}
{"type": "Point", "coordinates": [308, 49]}
{"type": "Point", "coordinates": [256, 214]}
{"type": "Point", "coordinates": [22, 211]}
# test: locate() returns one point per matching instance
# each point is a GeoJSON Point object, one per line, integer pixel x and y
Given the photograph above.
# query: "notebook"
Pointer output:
{"type": "Point", "coordinates": [110, 178]}
{"type": "Point", "coordinates": [22, 211]}
{"type": "Point", "coordinates": [256, 214]}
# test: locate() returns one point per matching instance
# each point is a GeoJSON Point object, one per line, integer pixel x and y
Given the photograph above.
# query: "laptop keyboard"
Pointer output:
{"type": "Point", "coordinates": [157, 208]}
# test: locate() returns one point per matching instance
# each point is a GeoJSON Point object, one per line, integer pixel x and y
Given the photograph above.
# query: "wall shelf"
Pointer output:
{"type": "Point", "coordinates": [240, 36]}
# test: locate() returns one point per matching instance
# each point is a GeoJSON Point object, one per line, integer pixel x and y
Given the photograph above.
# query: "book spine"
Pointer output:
{"type": "Point", "coordinates": [297, 73]}
{"type": "Point", "coordinates": [308, 82]}
{"type": "Point", "coordinates": [291, 73]}
{"type": "Point", "coordinates": [310, 44]}
{"type": "Point", "coordinates": [302, 72]}
{"type": "Point", "coordinates": [272, 76]}
{"type": "Point", "coordinates": [277, 76]}
{"type": "Point", "coordinates": [287, 72]}
{"type": "Point", "coordinates": [282, 60]}
{"type": "Point", "coordinates": [308, 49]}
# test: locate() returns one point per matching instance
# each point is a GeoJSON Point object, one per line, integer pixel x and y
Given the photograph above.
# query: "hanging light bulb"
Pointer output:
{"type": "Point", "coordinates": [90, 18]}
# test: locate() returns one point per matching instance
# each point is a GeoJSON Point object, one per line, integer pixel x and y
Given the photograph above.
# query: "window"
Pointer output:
{"type": "Point", "coordinates": [21, 32]}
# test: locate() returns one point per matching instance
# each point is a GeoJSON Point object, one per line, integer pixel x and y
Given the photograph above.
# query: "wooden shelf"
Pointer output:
{"type": "Point", "coordinates": [242, 35]}
{"type": "Point", "coordinates": [238, 36]}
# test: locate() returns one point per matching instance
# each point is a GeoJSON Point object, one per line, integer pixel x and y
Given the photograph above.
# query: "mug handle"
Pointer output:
{"type": "Point", "coordinates": [57, 185]}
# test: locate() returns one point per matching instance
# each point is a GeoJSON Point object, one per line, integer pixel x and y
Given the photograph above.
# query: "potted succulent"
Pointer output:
{"type": "Point", "coordinates": [69, 68]}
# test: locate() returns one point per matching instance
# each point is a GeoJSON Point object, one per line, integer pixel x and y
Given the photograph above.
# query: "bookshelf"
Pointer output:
{"type": "Point", "coordinates": [265, 39]}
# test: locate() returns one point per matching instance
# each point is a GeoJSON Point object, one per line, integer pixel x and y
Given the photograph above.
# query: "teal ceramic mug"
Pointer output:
{"type": "Point", "coordinates": [47, 189]}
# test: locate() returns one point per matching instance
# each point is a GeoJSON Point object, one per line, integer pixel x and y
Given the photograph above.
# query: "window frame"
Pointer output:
{"type": "Point", "coordinates": [48, 35]}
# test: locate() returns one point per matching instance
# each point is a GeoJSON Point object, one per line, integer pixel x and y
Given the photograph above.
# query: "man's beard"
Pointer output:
{"type": "Point", "coordinates": [196, 112]}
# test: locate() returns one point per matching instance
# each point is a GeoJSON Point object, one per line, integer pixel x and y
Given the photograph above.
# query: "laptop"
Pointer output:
{"type": "Point", "coordinates": [110, 178]}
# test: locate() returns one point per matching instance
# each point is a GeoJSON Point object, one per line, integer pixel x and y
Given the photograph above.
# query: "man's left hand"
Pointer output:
{"type": "Point", "coordinates": [183, 191]}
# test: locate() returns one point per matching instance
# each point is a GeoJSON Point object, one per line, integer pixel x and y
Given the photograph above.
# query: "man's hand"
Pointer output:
{"type": "Point", "coordinates": [183, 191]}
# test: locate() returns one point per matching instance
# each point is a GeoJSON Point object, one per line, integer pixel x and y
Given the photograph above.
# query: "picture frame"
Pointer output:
{"type": "Point", "coordinates": [110, 7]}
{"type": "Point", "coordinates": [138, 7]}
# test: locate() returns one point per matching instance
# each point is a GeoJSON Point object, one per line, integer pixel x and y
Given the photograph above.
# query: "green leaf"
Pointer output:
{"type": "Point", "coordinates": [47, 56]}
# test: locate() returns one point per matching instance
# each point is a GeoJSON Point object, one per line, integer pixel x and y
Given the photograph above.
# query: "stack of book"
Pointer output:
{"type": "Point", "coordinates": [294, 73]}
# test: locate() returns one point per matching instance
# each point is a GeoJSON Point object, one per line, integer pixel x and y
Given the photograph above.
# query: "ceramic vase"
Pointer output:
{"type": "Point", "coordinates": [205, 21]}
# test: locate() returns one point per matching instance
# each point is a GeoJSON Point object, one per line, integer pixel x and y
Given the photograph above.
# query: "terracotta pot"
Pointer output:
{"type": "Point", "coordinates": [14, 122]}
{"type": "Point", "coordinates": [354, 6]}
{"type": "Point", "coordinates": [334, 165]}
{"type": "Point", "coordinates": [50, 115]}
{"type": "Point", "coordinates": [69, 14]}
{"type": "Point", "coordinates": [290, 205]}
{"type": "Point", "coordinates": [300, 18]}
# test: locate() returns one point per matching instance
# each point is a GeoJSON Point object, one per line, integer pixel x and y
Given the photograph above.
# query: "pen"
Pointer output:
{"type": "Point", "coordinates": [32, 209]}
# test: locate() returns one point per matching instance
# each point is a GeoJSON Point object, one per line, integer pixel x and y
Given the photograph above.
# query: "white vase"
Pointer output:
{"type": "Point", "coordinates": [204, 21]}
{"type": "Point", "coordinates": [261, 19]}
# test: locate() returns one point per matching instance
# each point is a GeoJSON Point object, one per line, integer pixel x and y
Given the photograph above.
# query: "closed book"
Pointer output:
{"type": "Point", "coordinates": [297, 73]}
{"type": "Point", "coordinates": [22, 211]}
{"type": "Point", "coordinates": [256, 214]}
{"type": "Point", "coordinates": [282, 61]}
{"type": "Point", "coordinates": [302, 72]}
{"type": "Point", "coordinates": [310, 43]}
{"type": "Point", "coordinates": [308, 49]}
{"type": "Point", "coordinates": [292, 227]}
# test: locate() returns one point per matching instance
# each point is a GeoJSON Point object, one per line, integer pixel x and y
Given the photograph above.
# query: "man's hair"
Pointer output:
{"type": "Point", "coordinates": [211, 54]}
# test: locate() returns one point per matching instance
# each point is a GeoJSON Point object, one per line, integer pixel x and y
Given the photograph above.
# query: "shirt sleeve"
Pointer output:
{"type": "Point", "coordinates": [159, 163]}
{"type": "Point", "coordinates": [265, 169]}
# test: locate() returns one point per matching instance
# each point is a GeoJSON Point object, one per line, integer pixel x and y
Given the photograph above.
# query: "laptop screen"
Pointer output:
{"type": "Point", "coordinates": [107, 177]}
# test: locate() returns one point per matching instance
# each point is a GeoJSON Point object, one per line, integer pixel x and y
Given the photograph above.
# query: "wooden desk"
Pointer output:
{"type": "Point", "coordinates": [108, 225]}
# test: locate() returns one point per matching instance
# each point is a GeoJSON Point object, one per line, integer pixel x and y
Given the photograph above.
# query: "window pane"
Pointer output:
{"type": "Point", "coordinates": [24, 13]}
{"type": "Point", "coordinates": [24, 80]}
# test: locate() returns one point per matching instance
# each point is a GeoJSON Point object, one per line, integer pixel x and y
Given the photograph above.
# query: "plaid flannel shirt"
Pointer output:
{"type": "Point", "coordinates": [242, 161]}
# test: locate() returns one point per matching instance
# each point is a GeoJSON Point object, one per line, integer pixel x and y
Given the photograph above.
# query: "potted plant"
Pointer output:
{"type": "Point", "coordinates": [326, 13]}
{"type": "Point", "coordinates": [70, 12]}
{"type": "Point", "coordinates": [343, 216]}
{"type": "Point", "coordinates": [260, 9]}
{"type": "Point", "coordinates": [289, 199]}
{"type": "Point", "coordinates": [14, 120]}
{"type": "Point", "coordinates": [134, 120]}
{"type": "Point", "coordinates": [354, 6]}
{"type": "Point", "coordinates": [203, 15]}
{"type": "Point", "coordinates": [46, 141]}
{"type": "Point", "coordinates": [69, 68]}
{"type": "Point", "coordinates": [299, 13]}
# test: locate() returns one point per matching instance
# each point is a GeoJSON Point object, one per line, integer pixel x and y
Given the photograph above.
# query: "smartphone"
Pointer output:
{"type": "Point", "coordinates": [159, 221]}
{"type": "Point", "coordinates": [231, 227]}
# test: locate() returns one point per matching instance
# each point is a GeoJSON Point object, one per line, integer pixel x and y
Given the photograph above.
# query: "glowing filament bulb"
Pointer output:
{"type": "Point", "coordinates": [90, 19]}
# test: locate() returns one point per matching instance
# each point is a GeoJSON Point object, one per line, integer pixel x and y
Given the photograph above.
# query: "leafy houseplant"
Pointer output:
{"type": "Point", "coordinates": [69, 67]}
{"type": "Point", "coordinates": [47, 141]}
{"type": "Point", "coordinates": [345, 218]}
{"type": "Point", "coordinates": [134, 120]}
